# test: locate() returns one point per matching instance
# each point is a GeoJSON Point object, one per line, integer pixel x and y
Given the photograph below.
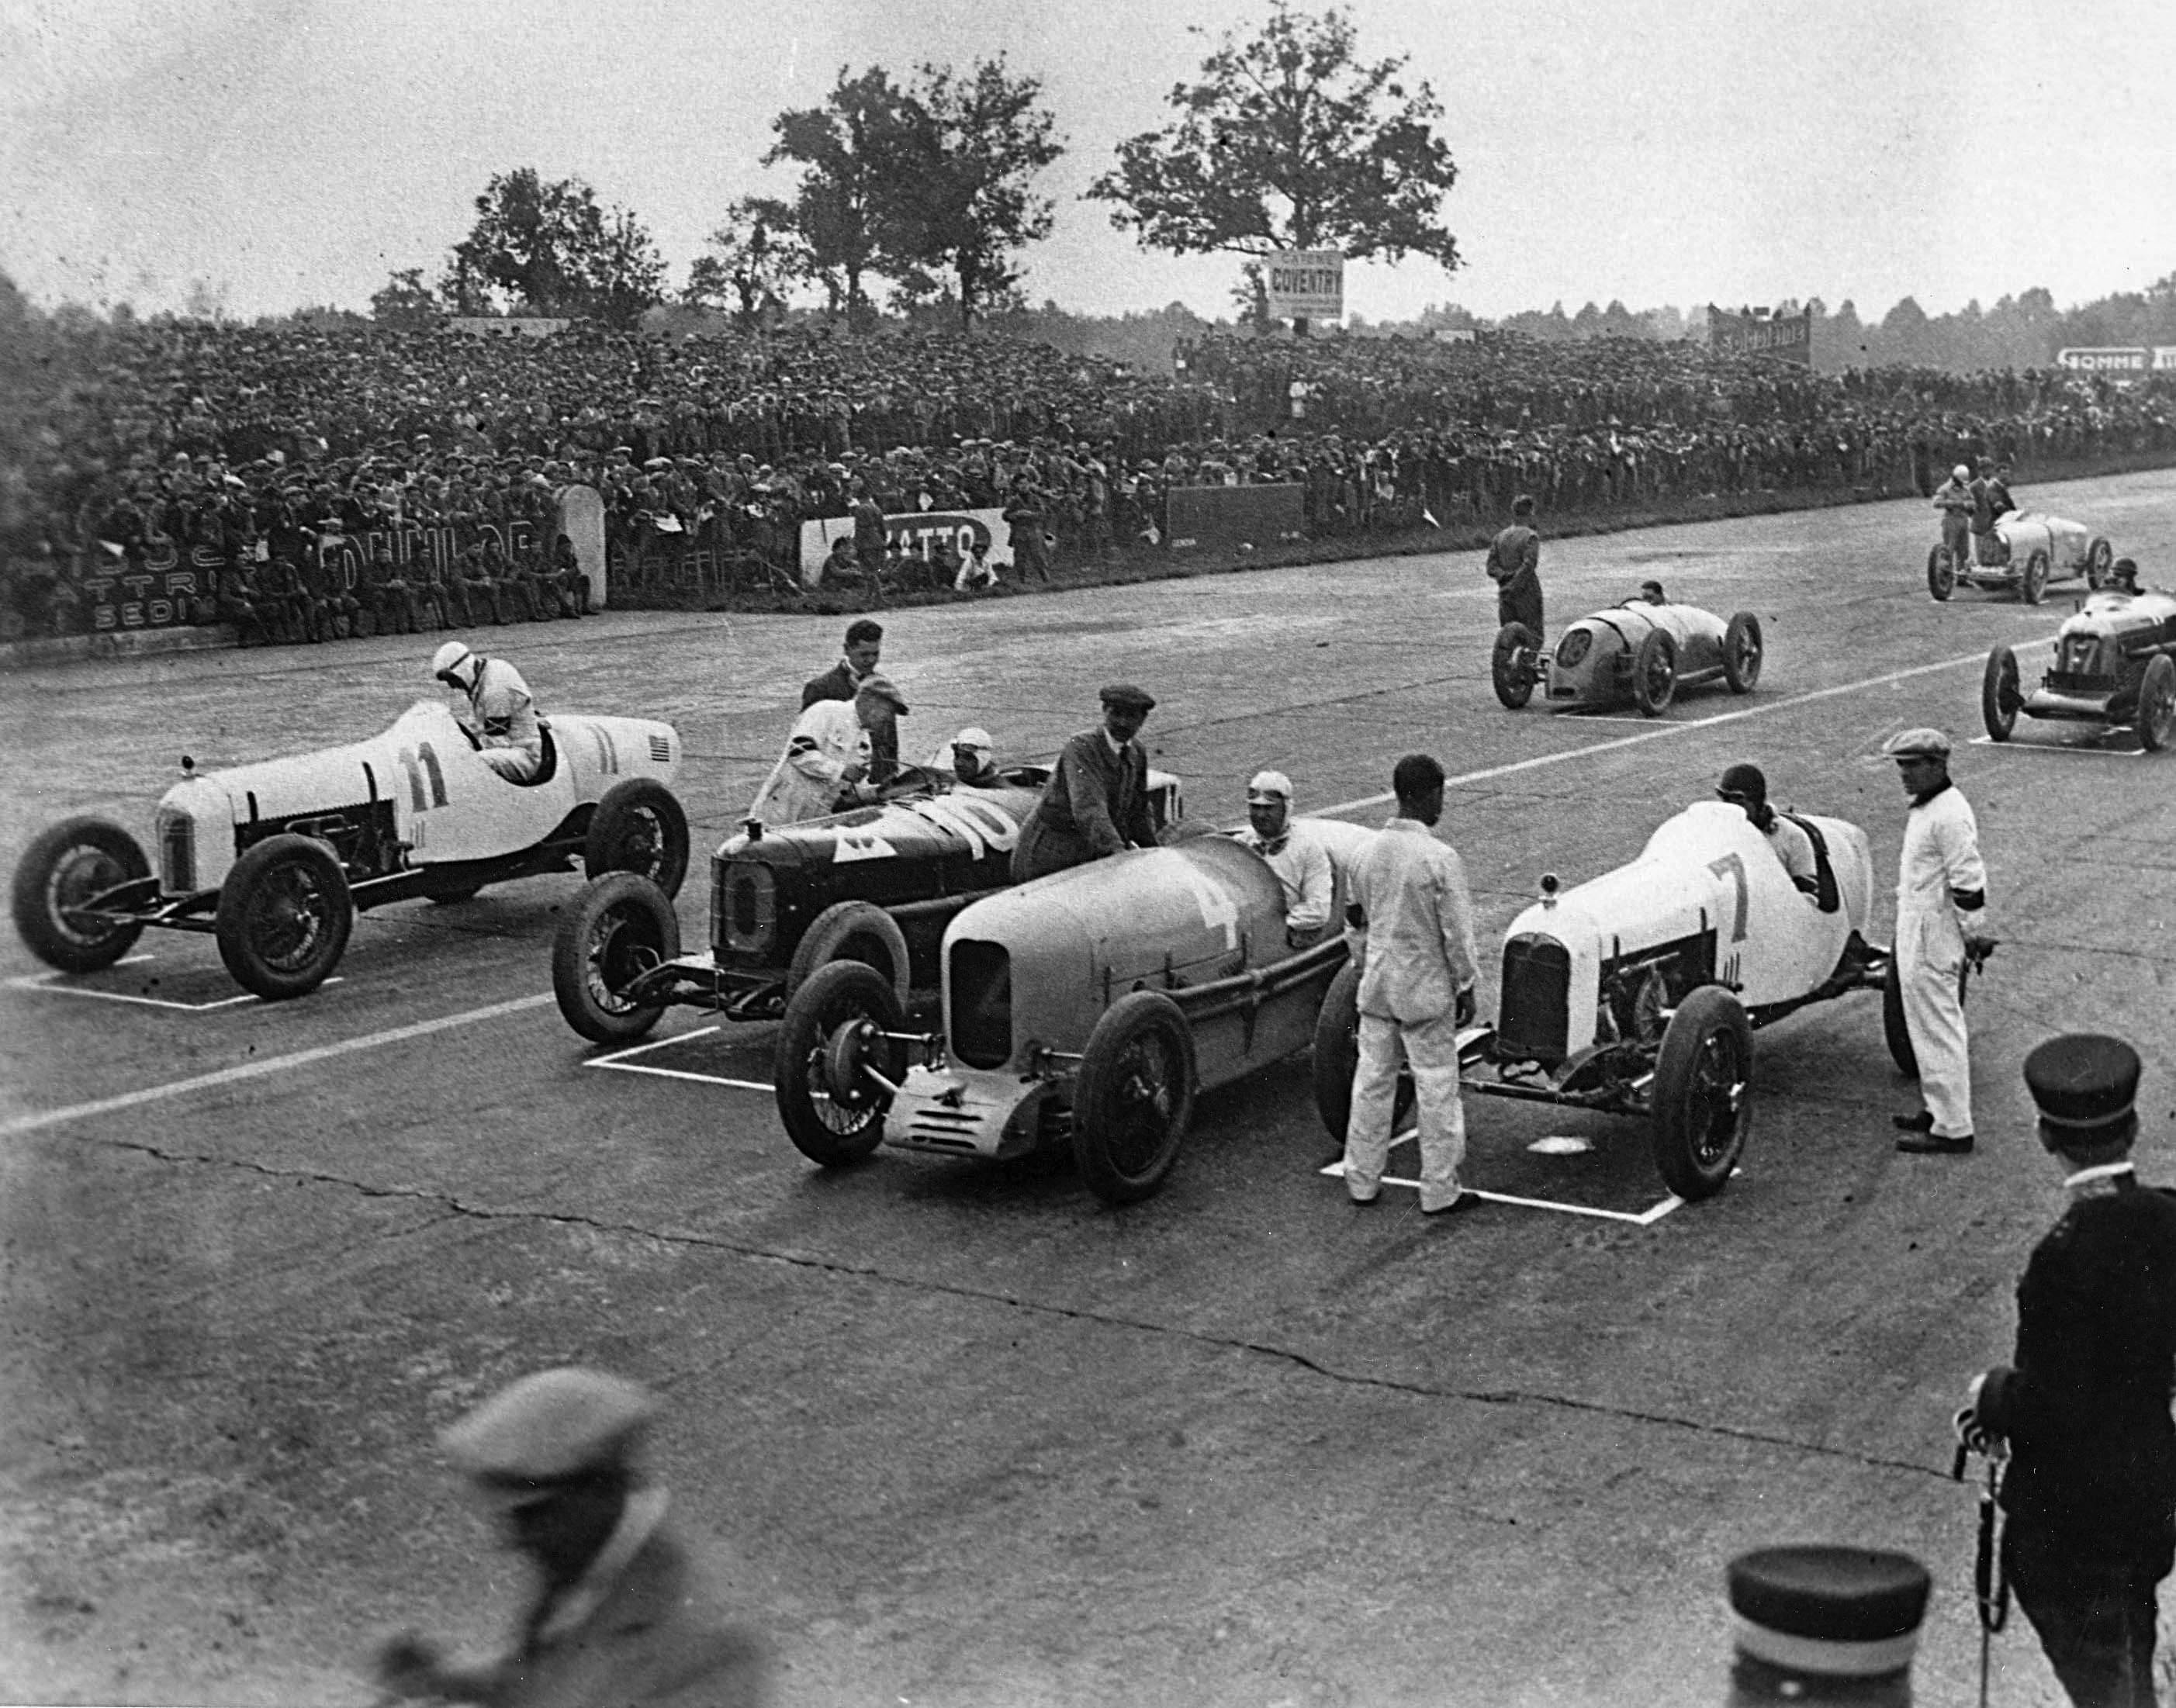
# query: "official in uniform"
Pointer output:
{"type": "Point", "coordinates": [2090, 1490]}
{"type": "Point", "coordinates": [1295, 853]}
{"type": "Point", "coordinates": [496, 708]}
{"type": "Point", "coordinates": [1747, 787]}
{"type": "Point", "coordinates": [1515, 565]}
{"type": "Point", "coordinates": [627, 1613]}
{"type": "Point", "coordinates": [1941, 917]}
{"type": "Point", "coordinates": [1097, 802]}
{"type": "Point", "coordinates": [1412, 921]}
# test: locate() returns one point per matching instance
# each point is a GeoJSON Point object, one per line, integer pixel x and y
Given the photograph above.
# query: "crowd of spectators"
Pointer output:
{"type": "Point", "coordinates": [247, 448]}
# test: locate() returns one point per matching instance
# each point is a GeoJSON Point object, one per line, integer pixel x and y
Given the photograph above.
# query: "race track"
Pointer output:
{"type": "Point", "coordinates": [972, 1437]}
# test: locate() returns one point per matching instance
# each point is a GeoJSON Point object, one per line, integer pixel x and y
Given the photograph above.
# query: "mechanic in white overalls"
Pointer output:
{"type": "Point", "coordinates": [1941, 888]}
{"type": "Point", "coordinates": [496, 708]}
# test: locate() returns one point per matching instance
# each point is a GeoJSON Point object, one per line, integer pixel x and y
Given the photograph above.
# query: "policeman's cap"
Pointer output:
{"type": "Point", "coordinates": [2085, 1085]}
{"type": "Point", "coordinates": [1269, 786]}
{"type": "Point", "coordinates": [878, 686]}
{"type": "Point", "coordinates": [1918, 744]}
{"type": "Point", "coordinates": [1123, 696]}
{"type": "Point", "coordinates": [552, 1426]}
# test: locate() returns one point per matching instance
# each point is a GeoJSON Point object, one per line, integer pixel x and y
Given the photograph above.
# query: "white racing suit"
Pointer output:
{"type": "Point", "coordinates": [808, 779]}
{"type": "Point", "coordinates": [501, 716]}
{"type": "Point", "coordinates": [1940, 868]}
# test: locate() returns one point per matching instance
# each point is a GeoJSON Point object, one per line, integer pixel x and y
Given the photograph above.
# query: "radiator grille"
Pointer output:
{"type": "Point", "coordinates": [1532, 1016]}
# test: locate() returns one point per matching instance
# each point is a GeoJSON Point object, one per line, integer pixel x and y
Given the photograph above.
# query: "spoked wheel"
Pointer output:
{"type": "Point", "coordinates": [1941, 572]}
{"type": "Point", "coordinates": [1895, 1030]}
{"type": "Point", "coordinates": [63, 869]}
{"type": "Point", "coordinates": [1514, 664]}
{"type": "Point", "coordinates": [623, 927]}
{"type": "Point", "coordinates": [835, 1066]}
{"type": "Point", "coordinates": [2034, 581]}
{"type": "Point", "coordinates": [2000, 696]}
{"type": "Point", "coordinates": [283, 917]}
{"type": "Point", "coordinates": [1133, 1097]}
{"type": "Point", "coordinates": [2100, 556]}
{"type": "Point", "coordinates": [1741, 652]}
{"type": "Point", "coordinates": [1703, 1092]}
{"type": "Point", "coordinates": [639, 826]}
{"type": "Point", "coordinates": [1655, 672]}
{"type": "Point", "coordinates": [2156, 704]}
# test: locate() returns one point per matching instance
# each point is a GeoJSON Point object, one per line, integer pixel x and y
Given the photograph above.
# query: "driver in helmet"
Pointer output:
{"type": "Point", "coordinates": [1651, 593]}
{"type": "Point", "coordinates": [1744, 786]}
{"type": "Point", "coordinates": [974, 760]}
{"type": "Point", "coordinates": [2123, 576]}
{"type": "Point", "coordinates": [495, 707]}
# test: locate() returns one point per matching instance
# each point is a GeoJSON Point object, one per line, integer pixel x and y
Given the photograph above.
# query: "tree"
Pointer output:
{"type": "Point", "coordinates": [756, 255]}
{"type": "Point", "coordinates": [552, 249]}
{"type": "Point", "coordinates": [852, 209]}
{"type": "Point", "coordinates": [406, 300]}
{"type": "Point", "coordinates": [1290, 141]}
{"type": "Point", "coordinates": [980, 139]}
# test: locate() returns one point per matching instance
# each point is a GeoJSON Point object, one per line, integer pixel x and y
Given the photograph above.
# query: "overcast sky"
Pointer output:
{"type": "Point", "coordinates": [289, 152]}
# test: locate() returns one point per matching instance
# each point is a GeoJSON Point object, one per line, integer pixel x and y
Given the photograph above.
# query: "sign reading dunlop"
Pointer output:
{"type": "Point", "coordinates": [1307, 285]}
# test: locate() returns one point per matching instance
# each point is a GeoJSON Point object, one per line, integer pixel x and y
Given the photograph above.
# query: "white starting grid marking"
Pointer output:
{"type": "Point", "coordinates": [1643, 1218]}
{"type": "Point", "coordinates": [42, 982]}
{"type": "Point", "coordinates": [618, 1061]}
{"type": "Point", "coordinates": [2086, 747]}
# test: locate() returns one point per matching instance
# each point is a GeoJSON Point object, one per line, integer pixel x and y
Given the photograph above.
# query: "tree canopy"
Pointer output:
{"type": "Point", "coordinates": [551, 249]}
{"type": "Point", "coordinates": [856, 152]}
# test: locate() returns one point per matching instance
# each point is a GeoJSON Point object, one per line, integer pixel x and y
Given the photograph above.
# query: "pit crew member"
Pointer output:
{"type": "Point", "coordinates": [1097, 802]}
{"type": "Point", "coordinates": [1746, 786]}
{"type": "Point", "coordinates": [495, 707]}
{"type": "Point", "coordinates": [1941, 918]}
{"type": "Point", "coordinates": [1515, 565]}
{"type": "Point", "coordinates": [1294, 853]}
{"type": "Point", "coordinates": [1953, 499]}
{"type": "Point", "coordinates": [864, 650]}
{"type": "Point", "coordinates": [826, 765]}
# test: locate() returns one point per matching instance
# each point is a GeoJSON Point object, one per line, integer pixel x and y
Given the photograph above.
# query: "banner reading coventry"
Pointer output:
{"type": "Point", "coordinates": [1307, 285]}
{"type": "Point", "coordinates": [1755, 332]}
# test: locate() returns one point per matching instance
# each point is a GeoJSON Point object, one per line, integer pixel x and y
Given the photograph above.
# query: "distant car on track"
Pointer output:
{"type": "Point", "coordinates": [2114, 664]}
{"type": "Point", "coordinates": [1635, 653]}
{"type": "Point", "coordinates": [2033, 548]}
{"type": "Point", "coordinates": [275, 859]}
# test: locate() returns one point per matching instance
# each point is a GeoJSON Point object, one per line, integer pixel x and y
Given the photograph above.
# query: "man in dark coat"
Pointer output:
{"type": "Point", "coordinates": [2091, 1491]}
{"type": "Point", "coordinates": [1515, 565]}
{"type": "Point", "coordinates": [843, 681]}
{"type": "Point", "coordinates": [1097, 802]}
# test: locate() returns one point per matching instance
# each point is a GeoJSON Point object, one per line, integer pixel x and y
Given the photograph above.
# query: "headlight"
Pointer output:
{"type": "Point", "coordinates": [1573, 647]}
{"type": "Point", "coordinates": [176, 834]}
{"type": "Point", "coordinates": [744, 907]}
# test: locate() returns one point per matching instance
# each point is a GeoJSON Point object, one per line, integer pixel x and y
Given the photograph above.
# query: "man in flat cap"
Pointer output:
{"type": "Point", "coordinates": [627, 1613]}
{"type": "Point", "coordinates": [1941, 919]}
{"type": "Point", "coordinates": [1300, 858]}
{"type": "Point", "coordinates": [1097, 802]}
{"type": "Point", "coordinates": [2090, 1489]}
{"type": "Point", "coordinates": [828, 764]}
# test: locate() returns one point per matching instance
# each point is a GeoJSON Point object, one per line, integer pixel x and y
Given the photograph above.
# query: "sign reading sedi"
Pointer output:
{"type": "Point", "coordinates": [1307, 285]}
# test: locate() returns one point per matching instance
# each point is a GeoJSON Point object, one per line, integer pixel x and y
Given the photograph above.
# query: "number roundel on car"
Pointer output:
{"type": "Point", "coordinates": [979, 824]}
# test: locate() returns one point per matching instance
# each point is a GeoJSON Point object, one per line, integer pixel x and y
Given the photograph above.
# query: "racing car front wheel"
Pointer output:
{"type": "Point", "coordinates": [1133, 1097]}
{"type": "Point", "coordinates": [2034, 582]}
{"type": "Point", "coordinates": [621, 927]}
{"type": "Point", "coordinates": [1741, 652]}
{"type": "Point", "coordinates": [1941, 572]}
{"type": "Point", "coordinates": [1514, 664]}
{"type": "Point", "coordinates": [858, 931]}
{"type": "Point", "coordinates": [639, 826]}
{"type": "Point", "coordinates": [1999, 698]}
{"type": "Point", "coordinates": [1703, 1092]}
{"type": "Point", "coordinates": [64, 868]}
{"type": "Point", "coordinates": [283, 917]}
{"type": "Point", "coordinates": [835, 1063]}
{"type": "Point", "coordinates": [2156, 704]}
{"type": "Point", "coordinates": [1655, 672]}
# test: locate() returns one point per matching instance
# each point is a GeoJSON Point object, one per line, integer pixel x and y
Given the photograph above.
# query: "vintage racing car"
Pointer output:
{"type": "Point", "coordinates": [2031, 549]}
{"type": "Point", "coordinates": [1635, 652]}
{"type": "Point", "coordinates": [1639, 992]}
{"type": "Point", "coordinates": [274, 859]}
{"type": "Point", "coordinates": [1090, 1006]}
{"type": "Point", "coordinates": [2114, 664]}
{"type": "Point", "coordinates": [877, 884]}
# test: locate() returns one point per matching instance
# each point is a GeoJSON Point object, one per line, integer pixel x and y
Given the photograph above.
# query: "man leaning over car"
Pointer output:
{"type": "Point", "coordinates": [1097, 802]}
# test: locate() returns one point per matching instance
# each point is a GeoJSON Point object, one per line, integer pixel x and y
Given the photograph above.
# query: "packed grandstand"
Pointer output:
{"type": "Point", "coordinates": [236, 452]}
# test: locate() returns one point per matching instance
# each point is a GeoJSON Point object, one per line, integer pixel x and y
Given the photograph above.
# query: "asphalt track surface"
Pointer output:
{"type": "Point", "coordinates": [971, 1437]}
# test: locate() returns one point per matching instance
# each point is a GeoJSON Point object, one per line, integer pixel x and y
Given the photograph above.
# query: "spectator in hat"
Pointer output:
{"type": "Point", "coordinates": [1295, 853]}
{"type": "Point", "coordinates": [976, 570]}
{"type": "Point", "coordinates": [827, 766]}
{"type": "Point", "coordinates": [1026, 515]}
{"type": "Point", "coordinates": [1941, 918]}
{"type": "Point", "coordinates": [627, 1611]}
{"type": "Point", "coordinates": [864, 649]}
{"type": "Point", "coordinates": [1097, 802]}
{"type": "Point", "coordinates": [2084, 1403]}
{"type": "Point", "coordinates": [1747, 787]}
{"type": "Point", "coordinates": [1515, 565]}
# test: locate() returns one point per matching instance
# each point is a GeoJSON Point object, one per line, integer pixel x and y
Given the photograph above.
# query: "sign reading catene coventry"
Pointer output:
{"type": "Point", "coordinates": [1307, 285]}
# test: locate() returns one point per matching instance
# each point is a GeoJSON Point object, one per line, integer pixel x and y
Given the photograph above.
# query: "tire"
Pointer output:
{"type": "Point", "coordinates": [1513, 675]}
{"type": "Point", "coordinates": [2156, 704]}
{"type": "Point", "coordinates": [1133, 1097]}
{"type": "Point", "coordinates": [1337, 1056]}
{"type": "Point", "coordinates": [2099, 555]}
{"type": "Point", "coordinates": [855, 931]}
{"type": "Point", "coordinates": [1741, 652]}
{"type": "Point", "coordinates": [639, 826]}
{"type": "Point", "coordinates": [1999, 698]}
{"type": "Point", "coordinates": [284, 917]}
{"type": "Point", "coordinates": [2034, 581]}
{"type": "Point", "coordinates": [65, 866]}
{"type": "Point", "coordinates": [622, 925]}
{"type": "Point", "coordinates": [1894, 1030]}
{"type": "Point", "coordinates": [1703, 1089]}
{"type": "Point", "coordinates": [1941, 572]}
{"type": "Point", "coordinates": [827, 1127]}
{"type": "Point", "coordinates": [1655, 673]}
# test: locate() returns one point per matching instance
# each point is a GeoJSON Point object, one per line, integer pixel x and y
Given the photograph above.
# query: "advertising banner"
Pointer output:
{"type": "Point", "coordinates": [1225, 518]}
{"type": "Point", "coordinates": [1307, 285]}
{"type": "Point", "coordinates": [1749, 332]}
{"type": "Point", "coordinates": [2164, 358]}
{"type": "Point", "coordinates": [917, 532]}
{"type": "Point", "coordinates": [2105, 359]}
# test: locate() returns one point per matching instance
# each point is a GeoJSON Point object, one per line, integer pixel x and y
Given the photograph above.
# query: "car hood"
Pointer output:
{"type": "Point", "coordinates": [341, 777]}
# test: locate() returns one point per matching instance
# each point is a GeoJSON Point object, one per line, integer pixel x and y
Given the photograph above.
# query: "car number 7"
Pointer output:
{"type": "Point", "coordinates": [1732, 867]}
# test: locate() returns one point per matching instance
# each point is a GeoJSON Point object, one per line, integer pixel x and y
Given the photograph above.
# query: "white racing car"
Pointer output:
{"type": "Point", "coordinates": [2031, 548]}
{"type": "Point", "coordinates": [274, 859]}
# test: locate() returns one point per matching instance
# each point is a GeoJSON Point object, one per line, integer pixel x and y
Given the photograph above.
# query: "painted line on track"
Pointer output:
{"type": "Point", "coordinates": [2090, 753]}
{"type": "Point", "coordinates": [1662, 730]}
{"type": "Point", "coordinates": [1642, 1218]}
{"type": "Point", "coordinates": [262, 1070]}
{"type": "Point", "coordinates": [618, 1062]}
{"type": "Point", "coordinates": [41, 983]}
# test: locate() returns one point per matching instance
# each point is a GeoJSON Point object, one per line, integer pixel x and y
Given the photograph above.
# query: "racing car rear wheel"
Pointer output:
{"type": "Point", "coordinates": [1514, 665]}
{"type": "Point", "coordinates": [1703, 1092]}
{"type": "Point", "coordinates": [831, 1048]}
{"type": "Point", "coordinates": [1998, 695]}
{"type": "Point", "coordinates": [622, 926]}
{"type": "Point", "coordinates": [62, 868]}
{"type": "Point", "coordinates": [2156, 704]}
{"type": "Point", "coordinates": [1655, 672]}
{"type": "Point", "coordinates": [639, 826]}
{"type": "Point", "coordinates": [1941, 572]}
{"type": "Point", "coordinates": [852, 931]}
{"type": "Point", "coordinates": [2100, 556]}
{"type": "Point", "coordinates": [2034, 582]}
{"type": "Point", "coordinates": [1134, 1097]}
{"type": "Point", "coordinates": [283, 917]}
{"type": "Point", "coordinates": [1741, 652]}
{"type": "Point", "coordinates": [1337, 1057]}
